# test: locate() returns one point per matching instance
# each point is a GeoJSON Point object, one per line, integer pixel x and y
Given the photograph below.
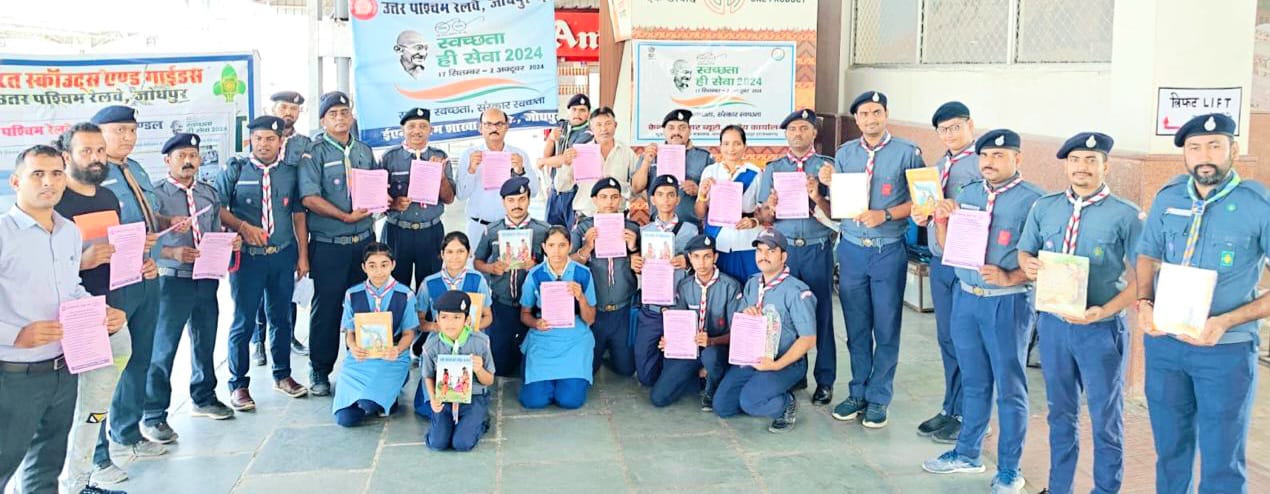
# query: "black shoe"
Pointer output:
{"type": "Point", "coordinates": [258, 356]}
{"type": "Point", "coordinates": [321, 386]}
{"type": "Point", "coordinates": [822, 396]}
{"type": "Point", "coordinates": [801, 384]}
{"type": "Point", "coordinates": [933, 424]}
{"type": "Point", "coordinates": [92, 489]}
{"type": "Point", "coordinates": [707, 402]}
{"type": "Point", "coordinates": [299, 348]}
{"type": "Point", "coordinates": [948, 433]}
{"type": "Point", "coordinates": [788, 418]}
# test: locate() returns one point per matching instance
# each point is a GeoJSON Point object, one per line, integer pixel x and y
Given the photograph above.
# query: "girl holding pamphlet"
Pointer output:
{"type": "Point", "coordinates": [460, 413]}
{"type": "Point", "coordinates": [558, 304]}
{"type": "Point", "coordinates": [379, 307]}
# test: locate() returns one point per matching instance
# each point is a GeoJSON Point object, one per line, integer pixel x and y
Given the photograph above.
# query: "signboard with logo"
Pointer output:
{"type": "Point", "coordinates": [578, 35]}
{"type": "Point", "coordinates": [1176, 105]}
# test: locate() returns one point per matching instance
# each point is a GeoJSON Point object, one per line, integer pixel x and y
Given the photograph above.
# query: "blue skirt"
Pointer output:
{"type": "Point", "coordinates": [376, 380]}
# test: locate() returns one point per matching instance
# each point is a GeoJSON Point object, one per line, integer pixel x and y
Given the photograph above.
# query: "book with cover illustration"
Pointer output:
{"type": "Point", "coordinates": [1062, 284]}
{"type": "Point", "coordinates": [516, 248]}
{"type": "Point", "coordinates": [924, 189]}
{"type": "Point", "coordinates": [658, 246]}
{"type": "Point", "coordinates": [454, 378]}
{"type": "Point", "coordinates": [373, 331]}
{"type": "Point", "coordinates": [1183, 299]}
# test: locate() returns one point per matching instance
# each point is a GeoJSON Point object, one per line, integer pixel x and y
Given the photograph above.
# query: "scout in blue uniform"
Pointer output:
{"type": "Point", "coordinates": [576, 131]}
{"type": "Point", "coordinates": [648, 323]}
{"type": "Point", "coordinates": [460, 430]}
{"type": "Point", "coordinates": [676, 129]}
{"type": "Point", "coordinates": [507, 332]}
{"type": "Point", "coordinates": [454, 275]}
{"type": "Point", "coordinates": [615, 282]}
{"type": "Point", "coordinates": [182, 299]}
{"type": "Point", "coordinates": [872, 260]}
{"type": "Point", "coordinates": [140, 301]}
{"type": "Point", "coordinates": [369, 385]}
{"type": "Point", "coordinates": [287, 106]}
{"type": "Point", "coordinates": [1200, 390]}
{"type": "Point", "coordinates": [990, 314]}
{"type": "Point", "coordinates": [557, 360]}
{"type": "Point", "coordinates": [262, 203]}
{"type": "Point", "coordinates": [764, 390]}
{"type": "Point", "coordinates": [714, 297]}
{"type": "Point", "coordinates": [811, 239]}
{"type": "Point", "coordinates": [338, 233]}
{"type": "Point", "coordinates": [958, 167]}
{"type": "Point", "coordinates": [414, 230]}
{"type": "Point", "coordinates": [1086, 352]}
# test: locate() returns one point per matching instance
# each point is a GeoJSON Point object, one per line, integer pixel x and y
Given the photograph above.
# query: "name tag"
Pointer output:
{"type": "Point", "coordinates": [400, 173]}
{"type": "Point", "coordinates": [1178, 211]}
{"type": "Point", "coordinates": [110, 181]}
{"type": "Point", "coordinates": [971, 207]}
{"type": "Point", "coordinates": [248, 182]}
{"type": "Point", "coordinates": [333, 163]}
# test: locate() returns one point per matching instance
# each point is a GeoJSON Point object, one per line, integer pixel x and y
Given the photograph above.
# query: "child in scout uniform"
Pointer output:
{"type": "Point", "coordinates": [505, 278]}
{"type": "Point", "coordinates": [456, 336]}
{"type": "Point", "coordinates": [713, 296]}
{"type": "Point", "coordinates": [454, 275]}
{"type": "Point", "coordinates": [648, 325]}
{"type": "Point", "coordinates": [369, 385]}
{"type": "Point", "coordinates": [557, 360]}
{"type": "Point", "coordinates": [614, 280]}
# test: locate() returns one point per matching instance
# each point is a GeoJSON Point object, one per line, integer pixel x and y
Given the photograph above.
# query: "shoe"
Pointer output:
{"type": "Point", "coordinates": [258, 355]}
{"type": "Point", "coordinates": [240, 400]}
{"type": "Point", "coordinates": [92, 489]}
{"type": "Point", "coordinates": [214, 410]}
{"type": "Point", "coordinates": [160, 432]}
{"type": "Point", "coordinates": [289, 387]}
{"type": "Point", "coordinates": [320, 387]}
{"type": "Point", "coordinates": [299, 348]}
{"type": "Point", "coordinates": [848, 409]}
{"type": "Point", "coordinates": [933, 424]}
{"type": "Point", "coordinates": [109, 474]}
{"type": "Point", "coordinates": [707, 403]}
{"type": "Point", "coordinates": [788, 418]}
{"type": "Point", "coordinates": [822, 396]}
{"type": "Point", "coordinates": [1007, 482]}
{"type": "Point", "coordinates": [145, 449]}
{"type": "Point", "coordinates": [875, 416]}
{"type": "Point", "coordinates": [948, 434]}
{"type": "Point", "coordinates": [801, 384]}
{"type": "Point", "coordinates": [951, 462]}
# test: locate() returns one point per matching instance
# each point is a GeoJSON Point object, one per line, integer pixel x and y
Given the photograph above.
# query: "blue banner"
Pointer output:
{"type": "Point", "coordinates": [455, 59]}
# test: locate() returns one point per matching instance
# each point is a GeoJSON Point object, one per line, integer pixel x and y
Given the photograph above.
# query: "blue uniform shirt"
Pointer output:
{"type": "Point", "coordinates": [966, 170]}
{"type": "Point", "coordinates": [804, 228]}
{"type": "Point", "coordinates": [322, 174]}
{"type": "Point", "coordinates": [409, 316]}
{"type": "Point", "coordinates": [469, 281]}
{"type": "Point", "coordinates": [687, 230]}
{"type": "Point", "coordinates": [489, 251]}
{"type": "Point", "coordinates": [792, 305]}
{"type": "Point", "coordinates": [889, 187]}
{"type": "Point", "coordinates": [477, 344]}
{"type": "Point", "coordinates": [129, 208]}
{"type": "Point", "coordinates": [695, 161]}
{"type": "Point", "coordinates": [397, 161]}
{"type": "Point", "coordinates": [1108, 235]}
{"type": "Point", "coordinates": [722, 301]}
{"type": "Point", "coordinates": [1009, 214]}
{"type": "Point", "coordinates": [618, 290]}
{"type": "Point", "coordinates": [1233, 240]}
{"type": "Point", "coordinates": [172, 202]}
{"type": "Point", "coordinates": [294, 148]}
{"type": "Point", "coordinates": [241, 190]}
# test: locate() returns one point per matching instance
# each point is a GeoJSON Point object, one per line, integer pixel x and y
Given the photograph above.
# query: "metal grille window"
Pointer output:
{"type": "Point", "coordinates": [907, 32]}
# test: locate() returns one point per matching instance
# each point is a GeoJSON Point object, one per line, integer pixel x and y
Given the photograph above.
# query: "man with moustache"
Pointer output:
{"type": "Point", "coordinates": [615, 163]}
{"type": "Point", "coordinates": [485, 206]}
{"type": "Point", "coordinates": [677, 130]}
{"type": "Point", "coordinates": [412, 230]}
{"type": "Point", "coordinates": [578, 131]}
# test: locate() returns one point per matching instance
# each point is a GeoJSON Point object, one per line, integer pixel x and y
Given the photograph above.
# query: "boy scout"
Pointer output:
{"type": "Point", "coordinates": [614, 280]}
{"type": "Point", "coordinates": [648, 323]}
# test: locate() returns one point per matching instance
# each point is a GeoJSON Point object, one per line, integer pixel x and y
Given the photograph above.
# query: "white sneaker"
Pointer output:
{"type": "Point", "coordinates": [108, 475]}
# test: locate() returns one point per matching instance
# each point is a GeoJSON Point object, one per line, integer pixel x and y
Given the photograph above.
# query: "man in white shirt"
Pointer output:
{"type": "Point", "coordinates": [485, 206]}
{"type": "Point", "coordinates": [617, 159]}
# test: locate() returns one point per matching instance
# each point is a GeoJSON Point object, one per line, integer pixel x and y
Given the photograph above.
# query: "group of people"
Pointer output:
{"type": "Point", "coordinates": [289, 201]}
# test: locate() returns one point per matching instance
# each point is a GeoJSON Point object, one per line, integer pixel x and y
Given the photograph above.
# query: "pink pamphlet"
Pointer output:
{"type": "Point", "coordinates": [129, 242]}
{"type": "Point", "coordinates": [791, 195]}
{"type": "Point", "coordinates": [587, 165]}
{"type": "Point", "coordinates": [657, 282]}
{"type": "Point", "coordinates": [370, 189]}
{"type": "Point", "coordinates": [557, 304]}
{"type": "Point", "coordinates": [725, 204]}
{"type": "Point", "coordinates": [496, 168]}
{"type": "Point", "coordinates": [966, 244]}
{"type": "Point", "coordinates": [425, 182]}
{"type": "Point", "coordinates": [85, 340]}
{"type": "Point", "coordinates": [680, 331]}
{"type": "Point", "coordinates": [749, 339]}
{"type": "Point", "coordinates": [609, 231]}
{"type": "Point", "coordinates": [670, 160]}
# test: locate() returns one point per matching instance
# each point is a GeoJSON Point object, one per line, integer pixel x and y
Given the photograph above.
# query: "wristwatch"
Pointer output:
{"type": "Point", "coordinates": [887, 214]}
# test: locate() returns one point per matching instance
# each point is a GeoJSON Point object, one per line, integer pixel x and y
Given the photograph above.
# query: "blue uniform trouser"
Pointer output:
{"type": "Point", "coordinates": [352, 415]}
{"type": "Point", "coordinates": [1089, 358]}
{"type": "Point", "coordinates": [648, 358]}
{"type": "Point", "coordinates": [444, 433]}
{"type": "Point", "coordinates": [506, 334]}
{"type": "Point", "coordinates": [943, 283]}
{"type": "Point", "coordinates": [271, 278]}
{"type": "Point", "coordinates": [678, 377]}
{"type": "Point", "coordinates": [560, 207]}
{"type": "Point", "coordinates": [761, 394]}
{"type": "Point", "coordinates": [1205, 393]}
{"type": "Point", "coordinates": [871, 290]}
{"type": "Point", "coordinates": [262, 323]}
{"type": "Point", "coordinates": [612, 336]}
{"type": "Point", "coordinates": [334, 269]}
{"type": "Point", "coordinates": [813, 264]}
{"type": "Point", "coordinates": [140, 303]}
{"type": "Point", "coordinates": [991, 337]}
{"type": "Point", "coordinates": [417, 252]}
{"type": "Point", "coordinates": [565, 393]}
{"type": "Point", "coordinates": [182, 301]}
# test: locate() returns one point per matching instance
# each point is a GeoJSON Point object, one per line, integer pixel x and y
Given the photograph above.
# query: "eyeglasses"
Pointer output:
{"type": "Point", "coordinates": [494, 125]}
{"type": "Point", "coordinates": [949, 130]}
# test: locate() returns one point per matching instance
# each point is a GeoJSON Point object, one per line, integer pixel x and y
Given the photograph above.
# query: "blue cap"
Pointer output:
{"type": "Point", "coordinates": [331, 100]}
{"type": "Point", "coordinates": [579, 100]}
{"type": "Point", "coordinates": [1212, 123]}
{"type": "Point", "coordinates": [605, 183]}
{"type": "Point", "coordinates": [804, 114]}
{"type": "Point", "coordinates": [1087, 141]}
{"type": "Point", "coordinates": [663, 181]}
{"type": "Point", "coordinates": [868, 97]}
{"type": "Point", "coordinates": [416, 114]}
{"type": "Point", "coordinates": [267, 122]}
{"type": "Point", "coordinates": [181, 141]}
{"type": "Point", "coordinates": [453, 301]}
{"type": "Point", "coordinates": [700, 242]}
{"type": "Point", "coordinates": [949, 111]}
{"type": "Point", "coordinates": [287, 97]}
{"type": "Point", "coordinates": [999, 138]}
{"type": "Point", "coordinates": [514, 186]}
{"type": "Point", "coordinates": [771, 237]}
{"type": "Point", "coordinates": [115, 114]}
{"type": "Point", "coordinates": [678, 115]}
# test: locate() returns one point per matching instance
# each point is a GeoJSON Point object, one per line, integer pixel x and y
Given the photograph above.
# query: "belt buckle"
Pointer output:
{"type": "Point", "coordinates": [272, 249]}
{"type": "Point", "coordinates": [416, 226]}
{"type": "Point", "coordinates": [798, 242]}
{"type": "Point", "coordinates": [610, 308]}
{"type": "Point", "coordinates": [59, 363]}
{"type": "Point", "coordinates": [979, 291]}
{"type": "Point", "coordinates": [867, 242]}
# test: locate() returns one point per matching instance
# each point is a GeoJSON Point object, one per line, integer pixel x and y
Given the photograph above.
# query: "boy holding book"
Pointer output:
{"type": "Point", "coordinates": [460, 429]}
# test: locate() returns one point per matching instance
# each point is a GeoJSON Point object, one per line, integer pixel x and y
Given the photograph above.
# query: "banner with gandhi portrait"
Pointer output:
{"type": "Point", "coordinates": [209, 95]}
{"type": "Point", "coordinates": [455, 58]}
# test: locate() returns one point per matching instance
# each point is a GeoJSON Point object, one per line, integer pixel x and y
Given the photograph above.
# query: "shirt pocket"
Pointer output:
{"type": "Point", "coordinates": [1173, 233]}
{"type": "Point", "coordinates": [248, 192]}
{"type": "Point", "coordinates": [1230, 251]}
{"type": "Point", "coordinates": [1052, 238]}
{"type": "Point", "coordinates": [1100, 247]}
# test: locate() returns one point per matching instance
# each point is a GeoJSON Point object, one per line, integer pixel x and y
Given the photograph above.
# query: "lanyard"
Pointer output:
{"type": "Point", "coordinates": [701, 309]}
{"type": "Point", "coordinates": [266, 195]}
{"type": "Point", "coordinates": [378, 297]}
{"type": "Point", "coordinates": [762, 290]}
{"type": "Point", "coordinates": [993, 193]}
{"type": "Point", "coordinates": [1073, 224]}
{"type": "Point", "coordinates": [952, 161]}
{"type": "Point", "coordinates": [189, 202]}
{"type": "Point", "coordinates": [457, 342]}
{"type": "Point", "coordinates": [348, 159]}
{"type": "Point", "coordinates": [1198, 206]}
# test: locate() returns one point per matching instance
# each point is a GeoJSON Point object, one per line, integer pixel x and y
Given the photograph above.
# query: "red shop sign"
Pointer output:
{"type": "Point", "coordinates": [578, 35]}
